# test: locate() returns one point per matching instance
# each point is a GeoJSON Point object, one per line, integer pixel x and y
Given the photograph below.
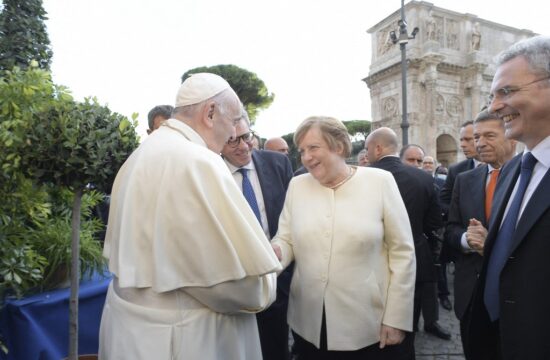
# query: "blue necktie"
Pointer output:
{"type": "Point", "coordinates": [503, 243]}
{"type": "Point", "coordinates": [249, 195]}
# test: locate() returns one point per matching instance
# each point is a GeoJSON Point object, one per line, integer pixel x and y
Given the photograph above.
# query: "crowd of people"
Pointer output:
{"type": "Point", "coordinates": [219, 249]}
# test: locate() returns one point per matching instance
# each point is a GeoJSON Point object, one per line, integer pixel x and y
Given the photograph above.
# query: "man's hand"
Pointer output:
{"type": "Point", "coordinates": [278, 251]}
{"type": "Point", "coordinates": [390, 336]}
{"type": "Point", "coordinates": [476, 235]}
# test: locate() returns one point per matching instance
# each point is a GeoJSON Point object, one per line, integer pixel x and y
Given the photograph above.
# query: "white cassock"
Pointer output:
{"type": "Point", "coordinates": [191, 264]}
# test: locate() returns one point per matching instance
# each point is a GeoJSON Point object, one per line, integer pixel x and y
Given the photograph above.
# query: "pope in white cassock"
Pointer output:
{"type": "Point", "coordinates": [191, 263]}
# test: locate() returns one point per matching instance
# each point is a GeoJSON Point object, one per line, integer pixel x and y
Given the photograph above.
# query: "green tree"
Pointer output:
{"type": "Point", "coordinates": [248, 86]}
{"type": "Point", "coordinates": [358, 128]}
{"type": "Point", "coordinates": [23, 35]}
{"type": "Point", "coordinates": [47, 137]}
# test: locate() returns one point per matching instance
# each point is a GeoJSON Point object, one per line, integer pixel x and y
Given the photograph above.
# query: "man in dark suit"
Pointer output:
{"type": "Point", "coordinates": [471, 203]}
{"type": "Point", "coordinates": [429, 165]}
{"type": "Point", "coordinates": [472, 160]}
{"type": "Point", "coordinates": [418, 193]}
{"type": "Point", "coordinates": [269, 174]}
{"type": "Point", "coordinates": [510, 311]}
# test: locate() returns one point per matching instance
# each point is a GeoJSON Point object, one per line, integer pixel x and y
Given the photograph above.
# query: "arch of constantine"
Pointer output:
{"type": "Point", "coordinates": [449, 74]}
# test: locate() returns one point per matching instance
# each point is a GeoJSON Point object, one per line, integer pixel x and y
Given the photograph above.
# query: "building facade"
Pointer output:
{"type": "Point", "coordinates": [449, 74]}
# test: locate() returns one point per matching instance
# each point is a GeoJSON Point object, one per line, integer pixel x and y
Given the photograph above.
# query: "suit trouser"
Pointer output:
{"type": "Point", "coordinates": [425, 302]}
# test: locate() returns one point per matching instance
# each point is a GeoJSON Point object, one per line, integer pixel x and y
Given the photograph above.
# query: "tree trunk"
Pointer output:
{"type": "Point", "coordinates": [75, 276]}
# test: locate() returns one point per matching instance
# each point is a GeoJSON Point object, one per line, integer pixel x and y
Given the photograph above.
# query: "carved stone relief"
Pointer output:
{"type": "Point", "coordinates": [454, 106]}
{"type": "Point", "coordinates": [476, 37]}
{"type": "Point", "coordinates": [452, 35]}
{"type": "Point", "coordinates": [439, 104]}
{"type": "Point", "coordinates": [439, 29]}
{"type": "Point", "coordinates": [390, 106]}
{"type": "Point", "coordinates": [384, 41]}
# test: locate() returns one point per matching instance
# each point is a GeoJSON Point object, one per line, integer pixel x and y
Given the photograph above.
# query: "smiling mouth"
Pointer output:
{"type": "Point", "coordinates": [508, 118]}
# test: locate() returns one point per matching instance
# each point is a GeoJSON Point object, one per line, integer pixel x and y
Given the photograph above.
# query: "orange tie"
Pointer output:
{"type": "Point", "coordinates": [490, 191]}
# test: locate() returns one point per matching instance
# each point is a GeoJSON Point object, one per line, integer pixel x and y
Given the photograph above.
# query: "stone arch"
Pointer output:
{"type": "Point", "coordinates": [447, 149]}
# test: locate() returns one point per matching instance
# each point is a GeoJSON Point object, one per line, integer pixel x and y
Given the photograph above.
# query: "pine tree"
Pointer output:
{"type": "Point", "coordinates": [23, 35]}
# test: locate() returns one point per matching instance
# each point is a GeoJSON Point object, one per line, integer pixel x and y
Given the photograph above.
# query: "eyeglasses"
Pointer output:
{"type": "Point", "coordinates": [507, 91]}
{"type": "Point", "coordinates": [247, 138]}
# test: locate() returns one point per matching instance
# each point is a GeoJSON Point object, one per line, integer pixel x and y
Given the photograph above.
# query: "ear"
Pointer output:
{"type": "Point", "coordinates": [339, 148]}
{"type": "Point", "coordinates": [207, 114]}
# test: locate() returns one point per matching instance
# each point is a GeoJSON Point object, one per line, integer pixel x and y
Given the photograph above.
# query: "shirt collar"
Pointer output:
{"type": "Point", "coordinates": [542, 152]}
{"type": "Point", "coordinates": [234, 169]}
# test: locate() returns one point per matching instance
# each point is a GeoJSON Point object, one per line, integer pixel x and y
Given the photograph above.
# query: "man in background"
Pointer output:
{"type": "Point", "coordinates": [277, 144]}
{"type": "Point", "coordinates": [471, 204]}
{"type": "Point", "coordinates": [418, 193]}
{"type": "Point", "coordinates": [157, 116]}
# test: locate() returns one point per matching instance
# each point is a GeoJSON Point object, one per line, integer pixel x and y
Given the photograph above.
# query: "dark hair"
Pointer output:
{"type": "Point", "coordinates": [485, 115]}
{"type": "Point", "coordinates": [160, 110]}
{"type": "Point", "coordinates": [466, 123]}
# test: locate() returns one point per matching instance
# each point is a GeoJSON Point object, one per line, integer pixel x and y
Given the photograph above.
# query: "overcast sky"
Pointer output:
{"type": "Point", "coordinates": [311, 53]}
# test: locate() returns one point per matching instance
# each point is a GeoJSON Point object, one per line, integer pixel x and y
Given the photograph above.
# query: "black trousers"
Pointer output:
{"type": "Point", "coordinates": [425, 302]}
{"type": "Point", "coordinates": [307, 351]}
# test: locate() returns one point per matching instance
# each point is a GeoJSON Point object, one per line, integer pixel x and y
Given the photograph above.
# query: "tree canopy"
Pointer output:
{"type": "Point", "coordinates": [23, 35]}
{"type": "Point", "coordinates": [248, 86]}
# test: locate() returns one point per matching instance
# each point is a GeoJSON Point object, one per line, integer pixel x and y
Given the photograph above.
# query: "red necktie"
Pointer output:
{"type": "Point", "coordinates": [490, 191]}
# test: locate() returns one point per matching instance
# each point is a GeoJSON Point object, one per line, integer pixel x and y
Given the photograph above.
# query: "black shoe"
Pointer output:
{"type": "Point", "coordinates": [444, 301]}
{"type": "Point", "coordinates": [437, 330]}
{"type": "Point", "coordinates": [415, 327]}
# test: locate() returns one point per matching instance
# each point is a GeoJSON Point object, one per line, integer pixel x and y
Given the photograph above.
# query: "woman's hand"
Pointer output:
{"type": "Point", "coordinates": [278, 251]}
{"type": "Point", "coordinates": [390, 336]}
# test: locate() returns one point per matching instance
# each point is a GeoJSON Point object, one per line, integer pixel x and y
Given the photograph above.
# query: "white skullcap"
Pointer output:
{"type": "Point", "coordinates": [200, 87]}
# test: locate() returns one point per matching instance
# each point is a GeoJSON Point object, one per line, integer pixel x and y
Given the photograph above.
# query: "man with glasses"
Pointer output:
{"type": "Point", "coordinates": [510, 311]}
{"type": "Point", "coordinates": [191, 265]}
{"type": "Point", "coordinates": [264, 177]}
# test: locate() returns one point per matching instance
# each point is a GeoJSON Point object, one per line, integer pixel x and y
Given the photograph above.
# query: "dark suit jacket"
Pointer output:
{"type": "Point", "coordinates": [274, 173]}
{"type": "Point", "coordinates": [447, 190]}
{"type": "Point", "coordinates": [524, 281]}
{"type": "Point", "coordinates": [448, 254]}
{"type": "Point", "coordinates": [468, 202]}
{"type": "Point", "coordinates": [419, 195]}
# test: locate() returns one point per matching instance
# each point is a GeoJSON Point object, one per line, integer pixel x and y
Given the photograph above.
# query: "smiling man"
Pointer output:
{"type": "Point", "coordinates": [471, 206]}
{"type": "Point", "coordinates": [510, 312]}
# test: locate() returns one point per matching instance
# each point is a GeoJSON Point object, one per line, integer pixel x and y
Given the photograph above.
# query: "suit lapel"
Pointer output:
{"type": "Point", "coordinates": [265, 183]}
{"type": "Point", "coordinates": [476, 184]}
{"type": "Point", "coordinates": [537, 205]}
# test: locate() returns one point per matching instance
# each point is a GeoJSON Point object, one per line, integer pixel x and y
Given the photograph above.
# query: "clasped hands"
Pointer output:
{"type": "Point", "coordinates": [476, 235]}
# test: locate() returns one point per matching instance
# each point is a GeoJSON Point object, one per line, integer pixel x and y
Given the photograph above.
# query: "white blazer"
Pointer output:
{"type": "Point", "coordinates": [354, 252]}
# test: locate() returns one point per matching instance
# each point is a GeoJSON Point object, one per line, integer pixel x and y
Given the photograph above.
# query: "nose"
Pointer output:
{"type": "Point", "coordinates": [495, 105]}
{"type": "Point", "coordinates": [306, 156]}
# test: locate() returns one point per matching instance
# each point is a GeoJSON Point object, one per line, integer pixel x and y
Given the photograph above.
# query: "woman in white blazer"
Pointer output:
{"type": "Point", "coordinates": [347, 230]}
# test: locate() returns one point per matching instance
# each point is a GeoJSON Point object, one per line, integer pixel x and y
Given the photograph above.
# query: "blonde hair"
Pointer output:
{"type": "Point", "coordinates": [333, 131]}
